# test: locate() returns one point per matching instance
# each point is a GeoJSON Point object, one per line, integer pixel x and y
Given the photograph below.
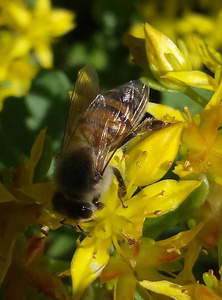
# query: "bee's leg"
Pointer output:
{"type": "Point", "coordinates": [147, 125]}
{"type": "Point", "coordinates": [150, 124]}
{"type": "Point", "coordinates": [83, 231]}
{"type": "Point", "coordinates": [63, 222]}
{"type": "Point", "coordinates": [122, 186]}
{"type": "Point", "coordinates": [95, 201]}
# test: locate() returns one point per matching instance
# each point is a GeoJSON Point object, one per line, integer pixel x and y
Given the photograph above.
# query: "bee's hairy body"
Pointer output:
{"type": "Point", "coordinates": [97, 125]}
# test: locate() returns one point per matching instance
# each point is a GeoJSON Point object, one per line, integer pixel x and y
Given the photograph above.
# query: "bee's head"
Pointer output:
{"type": "Point", "coordinates": [72, 207]}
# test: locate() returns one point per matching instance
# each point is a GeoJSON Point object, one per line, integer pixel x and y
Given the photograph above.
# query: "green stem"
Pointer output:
{"type": "Point", "coordinates": [195, 96]}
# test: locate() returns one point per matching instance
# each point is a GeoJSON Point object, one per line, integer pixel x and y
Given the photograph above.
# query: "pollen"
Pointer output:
{"type": "Point", "coordinates": [162, 193]}
{"type": "Point", "coordinates": [138, 165]}
{"type": "Point", "coordinates": [170, 163]}
{"type": "Point", "coordinates": [207, 165]}
{"type": "Point", "coordinates": [187, 163]}
{"type": "Point", "coordinates": [204, 252]}
{"type": "Point", "coordinates": [158, 212]}
{"type": "Point", "coordinates": [173, 249]}
{"type": "Point", "coordinates": [211, 272]}
{"type": "Point", "coordinates": [125, 157]}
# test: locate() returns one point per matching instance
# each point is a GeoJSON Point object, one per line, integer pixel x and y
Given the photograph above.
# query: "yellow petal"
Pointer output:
{"type": "Point", "coordinates": [210, 57]}
{"type": "Point", "coordinates": [192, 78]}
{"type": "Point", "coordinates": [44, 53]}
{"type": "Point", "coordinates": [151, 158]}
{"type": "Point", "coordinates": [62, 21]}
{"type": "Point", "coordinates": [40, 192]}
{"type": "Point", "coordinates": [166, 288]}
{"type": "Point", "coordinates": [42, 7]}
{"type": "Point", "coordinates": [165, 113]}
{"type": "Point", "coordinates": [88, 262]}
{"type": "Point", "coordinates": [138, 31]}
{"type": "Point", "coordinates": [36, 152]}
{"type": "Point", "coordinates": [216, 98]}
{"type": "Point", "coordinates": [158, 49]}
{"type": "Point", "coordinates": [181, 239]}
{"type": "Point", "coordinates": [19, 14]}
{"type": "Point", "coordinates": [163, 196]}
{"type": "Point", "coordinates": [5, 195]}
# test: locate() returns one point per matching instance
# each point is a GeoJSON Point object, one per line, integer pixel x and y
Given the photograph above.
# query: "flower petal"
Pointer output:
{"type": "Point", "coordinates": [192, 78]}
{"type": "Point", "coordinates": [158, 47]}
{"type": "Point", "coordinates": [210, 57]}
{"type": "Point", "coordinates": [36, 153]}
{"type": "Point", "coordinates": [166, 288]}
{"type": "Point", "coordinates": [151, 158]}
{"type": "Point", "coordinates": [5, 195]}
{"type": "Point", "coordinates": [88, 262]}
{"type": "Point", "coordinates": [44, 54]}
{"type": "Point", "coordinates": [62, 20]}
{"type": "Point", "coordinates": [163, 196]}
{"type": "Point", "coordinates": [40, 192]}
{"type": "Point", "coordinates": [165, 113]}
{"type": "Point", "coordinates": [154, 226]}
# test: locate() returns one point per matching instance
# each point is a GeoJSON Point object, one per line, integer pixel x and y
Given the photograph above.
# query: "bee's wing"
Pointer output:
{"type": "Point", "coordinates": [134, 101]}
{"type": "Point", "coordinates": [116, 115]}
{"type": "Point", "coordinates": [86, 90]}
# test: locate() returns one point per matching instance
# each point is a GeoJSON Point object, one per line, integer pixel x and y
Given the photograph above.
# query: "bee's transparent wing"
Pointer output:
{"type": "Point", "coordinates": [86, 90]}
{"type": "Point", "coordinates": [113, 118]}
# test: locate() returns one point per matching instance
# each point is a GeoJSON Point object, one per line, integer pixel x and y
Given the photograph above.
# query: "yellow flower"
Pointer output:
{"type": "Point", "coordinates": [27, 29]}
{"type": "Point", "coordinates": [149, 265]}
{"type": "Point", "coordinates": [202, 142]}
{"type": "Point", "coordinates": [166, 63]}
{"type": "Point", "coordinates": [36, 28]}
{"type": "Point", "coordinates": [181, 20]}
{"type": "Point", "coordinates": [195, 291]}
{"type": "Point", "coordinates": [16, 72]}
{"type": "Point", "coordinates": [118, 226]}
{"type": "Point", "coordinates": [209, 57]}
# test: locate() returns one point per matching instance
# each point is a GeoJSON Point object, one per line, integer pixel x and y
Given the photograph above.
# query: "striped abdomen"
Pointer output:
{"type": "Point", "coordinates": [111, 117]}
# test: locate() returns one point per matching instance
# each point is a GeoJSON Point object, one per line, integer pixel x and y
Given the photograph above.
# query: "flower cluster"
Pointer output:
{"type": "Point", "coordinates": [185, 19]}
{"type": "Point", "coordinates": [26, 36]}
{"type": "Point", "coordinates": [150, 249]}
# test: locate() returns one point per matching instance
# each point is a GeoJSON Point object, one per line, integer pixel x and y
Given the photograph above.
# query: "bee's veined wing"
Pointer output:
{"type": "Point", "coordinates": [112, 118]}
{"type": "Point", "coordinates": [85, 91]}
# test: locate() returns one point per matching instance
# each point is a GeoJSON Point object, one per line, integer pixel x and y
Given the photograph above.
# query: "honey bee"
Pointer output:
{"type": "Point", "coordinates": [97, 125]}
